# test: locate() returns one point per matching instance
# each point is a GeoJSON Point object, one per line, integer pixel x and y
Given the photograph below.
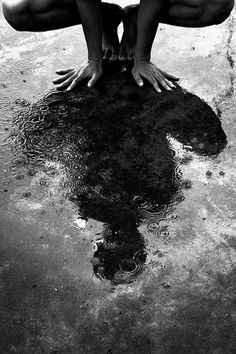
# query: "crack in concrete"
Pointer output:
{"type": "Point", "coordinates": [230, 58]}
{"type": "Point", "coordinates": [229, 93]}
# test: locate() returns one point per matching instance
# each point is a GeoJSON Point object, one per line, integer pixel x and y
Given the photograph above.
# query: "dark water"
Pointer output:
{"type": "Point", "coordinates": [119, 165]}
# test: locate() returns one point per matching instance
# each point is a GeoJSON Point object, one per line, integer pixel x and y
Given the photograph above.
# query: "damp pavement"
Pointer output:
{"type": "Point", "coordinates": [118, 204]}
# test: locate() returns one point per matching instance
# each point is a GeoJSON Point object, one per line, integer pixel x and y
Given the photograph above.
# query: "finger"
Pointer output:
{"type": "Point", "coordinates": [163, 83]}
{"type": "Point", "coordinates": [156, 86]}
{"type": "Point", "coordinates": [171, 84]}
{"type": "Point", "coordinates": [62, 78]}
{"type": "Point", "coordinates": [93, 81]}
{"type": "Point", "coordinates": [153, 82]}
{"type": "Point", "coordinates": [168, 83]}
{"type": "Point", "coordinates": [64, 71]}
{"type": "Point", "coordinates": [75, 82]}
{"type": "Point", "coordinates": [137, 79]}
{"type": "Point", "coordinates": [66, 83]}
{"type": "Point", "coordinates": [72, 85]}
{"type": "Point", "coordinates": [169, 76]}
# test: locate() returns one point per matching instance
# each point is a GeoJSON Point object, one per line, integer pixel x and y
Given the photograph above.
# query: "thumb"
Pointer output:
{"type": "Point", "coordinates": [93, 81]}
{"type": "Point", "coordinates": [137, 79]}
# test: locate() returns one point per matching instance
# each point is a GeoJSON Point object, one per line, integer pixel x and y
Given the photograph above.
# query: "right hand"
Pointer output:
{"type": "Point", "coordinates": [157, 77]}
{"type": "Point", "coordinates": [69, 78]}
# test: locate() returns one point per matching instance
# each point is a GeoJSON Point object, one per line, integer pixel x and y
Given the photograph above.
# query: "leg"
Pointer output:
{"type": "Point", "coordinates": [196, 13]}
{"type": "Point", "coordinates": [185, 13]}
{"type": "Point", "coordinates": [40, 15]}
{"type": "Point", "coordinates": [45, 15]}
{"type": "Point", "coordinates": [112, 17]}
{"type": "Point", "coordinates": [128, 41]}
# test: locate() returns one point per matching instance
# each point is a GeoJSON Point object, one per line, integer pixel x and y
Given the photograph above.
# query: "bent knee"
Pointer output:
{"type": "Point", "coordinates": [219, 11]}
{"type": "Point", "coordinates": [227, 7]}
{"type": "Point", "coordinates": [17, 13]}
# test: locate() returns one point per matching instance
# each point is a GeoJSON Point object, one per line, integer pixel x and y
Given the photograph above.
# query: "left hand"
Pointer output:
{"type": "Point", "coordinates": [158, 78]}
{"type": "Point", "coordinates": [69, 78]}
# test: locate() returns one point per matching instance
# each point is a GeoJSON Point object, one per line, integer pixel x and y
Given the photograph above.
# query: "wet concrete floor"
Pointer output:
{"type": "Point", "coordinates": [118, 204]}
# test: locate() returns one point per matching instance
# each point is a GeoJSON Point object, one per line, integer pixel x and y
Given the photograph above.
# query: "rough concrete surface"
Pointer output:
{"type": "Point", "coordinates": [118, 230]}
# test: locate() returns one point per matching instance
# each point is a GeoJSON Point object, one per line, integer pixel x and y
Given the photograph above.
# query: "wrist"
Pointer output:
{"type": "Point", "coordinates": [95, 60]}
{"type": "Point", "coordinates": [138, 59]}
{"type": "Point", "coordinates": [144, 58]}
{"type": "Point", "coordinates": [142, 54]}
{"type": "Point", "coordinates": [95, 51]}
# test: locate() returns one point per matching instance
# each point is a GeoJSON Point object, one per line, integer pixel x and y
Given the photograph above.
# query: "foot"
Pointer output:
{"type": "Point", "coordinates": [112, 17]}
{"type": "Point", "coordinates": [128, 40]}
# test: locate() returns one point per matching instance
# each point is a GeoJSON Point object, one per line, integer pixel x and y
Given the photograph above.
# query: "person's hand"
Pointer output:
{"type": "Point", "coordinates": [158, 78]}
{"type": "Point", "coordinates": [69, 78]}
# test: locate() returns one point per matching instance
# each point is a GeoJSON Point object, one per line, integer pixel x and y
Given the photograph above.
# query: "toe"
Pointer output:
{"type": "Point", "coordinates": [130, 55]}
{"type": "Point", "coordinates": [106, 54]}
{"type": "Point", "coordinates": [122, 57]}
{"type": "Point", "coordinates": [123, 54]}
{"type": "Point", "coordinates": [114, 56]}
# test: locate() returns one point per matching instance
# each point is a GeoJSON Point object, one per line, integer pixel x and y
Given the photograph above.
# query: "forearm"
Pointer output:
{"type": "Point", "coordinates": [147, 23]}
{"type": "Point", "coordinates": [91, 18]}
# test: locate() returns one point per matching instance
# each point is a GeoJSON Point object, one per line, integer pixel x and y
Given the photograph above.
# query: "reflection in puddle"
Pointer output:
{"type": "Point", "coordinates": [120, 255]}
{"type": "Point", "coordinates": [116, 146]}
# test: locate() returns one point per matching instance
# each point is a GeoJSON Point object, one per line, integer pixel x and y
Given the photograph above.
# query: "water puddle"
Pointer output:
{"type": "Point", "coordinates": [115, 152]}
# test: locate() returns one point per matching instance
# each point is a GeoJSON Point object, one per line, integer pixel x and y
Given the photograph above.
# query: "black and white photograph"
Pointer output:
{"type": "Point", "coordinates": [117, 177]}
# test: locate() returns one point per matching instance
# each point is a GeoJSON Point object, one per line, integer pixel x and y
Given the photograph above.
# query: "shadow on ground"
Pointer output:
{"type": "Point", "coordinates": [118, 146]}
